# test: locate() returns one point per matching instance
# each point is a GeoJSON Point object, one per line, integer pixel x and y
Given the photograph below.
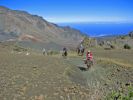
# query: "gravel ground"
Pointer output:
{"type": "Point", "coordinates": [38, 77]}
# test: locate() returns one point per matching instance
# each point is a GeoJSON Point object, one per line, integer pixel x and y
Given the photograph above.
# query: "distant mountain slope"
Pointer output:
{"type": "Point", "coordinates": [22, 26]}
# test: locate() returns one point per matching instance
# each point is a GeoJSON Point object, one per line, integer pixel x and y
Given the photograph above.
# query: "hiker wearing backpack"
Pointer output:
{"type": "Point", "coordinates": [64, 53]}
{"type": "Point", "coordinates": [89, 59]}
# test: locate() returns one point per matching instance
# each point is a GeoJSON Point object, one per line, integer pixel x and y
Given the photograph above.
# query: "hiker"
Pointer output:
{"type": "Point", "coordinates": [44, 51]}
{"type": "Point", "coordinates": [89, 55]}
{"type": "Point", "coordinates": [81, 50]}
{"type": "Point", "coordinates": [89, 59]}
{"type": "Point", "coordinates": [78, 50]}
{"type": "Point", "coordinates": [64, 53]}
{"type": "Point", "coordinates": [81, 41]}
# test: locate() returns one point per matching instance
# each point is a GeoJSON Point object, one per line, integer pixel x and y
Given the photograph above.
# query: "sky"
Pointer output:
{"type": "Point", "coordinates": [60, 11]}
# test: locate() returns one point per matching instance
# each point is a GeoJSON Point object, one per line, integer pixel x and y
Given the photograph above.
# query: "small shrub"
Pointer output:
{"type": "Point", "coordinates": [112, 46]}
{"type": "Point", "coordinates": [107, 48]}
{"type": "Point", "coordinates": [19, 49]}
{"type": "Point", "coordinates": [101, 43]}
{"type": "Point", "coordinates": [126, 46]}
{"type": "Point", "coordinates": [120, 95]}
{"type": "Point", "coordinates": [123, 37]}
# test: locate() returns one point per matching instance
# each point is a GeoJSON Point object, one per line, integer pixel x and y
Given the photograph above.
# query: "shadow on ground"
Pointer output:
{"type": "Point", "coordinates": [83, 69]}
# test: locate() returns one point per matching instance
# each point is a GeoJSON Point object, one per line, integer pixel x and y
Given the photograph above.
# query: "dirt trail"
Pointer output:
{"type": "Point", "coordinates": [36, 77]}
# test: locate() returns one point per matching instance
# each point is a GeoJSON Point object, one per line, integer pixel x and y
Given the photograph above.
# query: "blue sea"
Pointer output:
{"type": "Point", "coordinates": [101, 29]}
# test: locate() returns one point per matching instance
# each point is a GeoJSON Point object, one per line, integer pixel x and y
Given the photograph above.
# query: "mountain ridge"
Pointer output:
{"type": "Point", "coordinates": [15, 24]}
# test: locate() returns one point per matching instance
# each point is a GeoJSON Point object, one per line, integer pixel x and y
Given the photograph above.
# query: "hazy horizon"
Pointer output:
{"type": "Point", "coordinates": [101, 29]}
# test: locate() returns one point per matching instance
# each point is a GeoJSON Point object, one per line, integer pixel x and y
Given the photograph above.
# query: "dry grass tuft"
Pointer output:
{"type": "Point", "coordinates": [115, 61]}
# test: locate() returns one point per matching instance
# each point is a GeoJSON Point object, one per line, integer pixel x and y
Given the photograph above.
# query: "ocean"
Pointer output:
{"type": "Point", "coordinates": [101, 29]}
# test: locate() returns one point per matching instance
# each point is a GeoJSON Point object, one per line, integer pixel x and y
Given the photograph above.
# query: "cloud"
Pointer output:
{"type": "Point", "coordinates": [86, 19]}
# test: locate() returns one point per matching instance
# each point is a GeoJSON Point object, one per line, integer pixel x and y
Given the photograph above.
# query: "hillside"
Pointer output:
{"type": "Point", "coordinates": [24, 27]}
{"type": "Point", "coordinates": [38, 77]}
{"type": "Point", "coordinates": [116, 42]}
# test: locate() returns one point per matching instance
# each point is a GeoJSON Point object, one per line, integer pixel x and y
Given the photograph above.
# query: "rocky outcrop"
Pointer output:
{"type": "Point", "coordinates": [90, 42]}
{"type": "Point", "coordinates": [131, 34]}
